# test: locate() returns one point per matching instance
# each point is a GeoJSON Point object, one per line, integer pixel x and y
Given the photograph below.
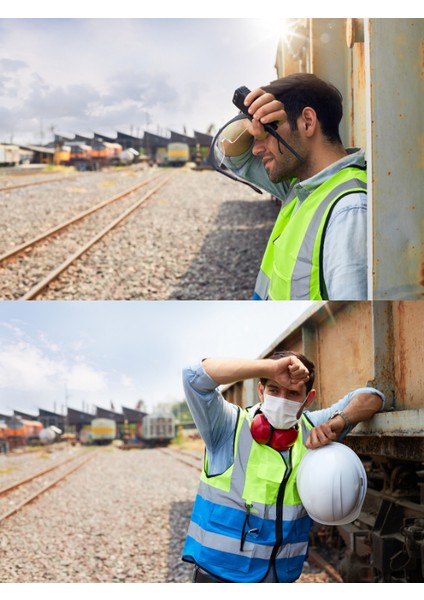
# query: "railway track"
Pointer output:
{"type": "Point", "coordinates": [17, 186]}
{"type": "Point", "coordinates": [17, 495]}
{"type": "Point", "coordinates": [18, 256]}
{"type": "Point", "coordinates": [187, 458]}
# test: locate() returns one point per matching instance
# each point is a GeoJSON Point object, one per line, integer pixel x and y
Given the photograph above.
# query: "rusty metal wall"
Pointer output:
{"type": "Point", "coordinates": [344, 354]}
{"type": "Point", "coordinates": [355, 344]}
{"type": "Point", "coordinates": [408, 353]}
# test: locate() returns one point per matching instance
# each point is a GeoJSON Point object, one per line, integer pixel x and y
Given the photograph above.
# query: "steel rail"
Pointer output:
{"type": "Point", "coordinates": [185, 462]}
{"type": "Point", "coordinates": [54, 274]}
{"type": "Point", "coordinates": [33, 183]}
{"type": "Point", "coordinates": [13, 486]}
{"type": "Point", "coordinates": [34, 496]}
{"type": "Point", "coordinates": [77, 218]}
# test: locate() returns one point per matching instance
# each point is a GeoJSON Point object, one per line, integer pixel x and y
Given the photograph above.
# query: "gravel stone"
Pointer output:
{"type": "Point", "coordinates": [122, 518]}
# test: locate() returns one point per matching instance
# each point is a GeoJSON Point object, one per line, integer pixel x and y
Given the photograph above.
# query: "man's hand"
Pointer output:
{"type": "Point", "coordinates": [288, 371]}
{"type": "Point", "coordinates": [264, 108]}
{"type": "Point", "coordinates": [325, 434]}
{"type": "Point", "coordinates": [236, 138]}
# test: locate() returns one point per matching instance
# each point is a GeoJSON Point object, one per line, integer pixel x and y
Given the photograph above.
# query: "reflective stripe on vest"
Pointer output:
{"type": "Point", "coordinates": [233, 530]}
{"type": "Point", "coordinates": [292, 266]}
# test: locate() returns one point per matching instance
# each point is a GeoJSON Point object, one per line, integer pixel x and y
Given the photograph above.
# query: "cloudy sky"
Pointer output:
{"type": "Point", "coordinates": [88, 354]}
{"type": "Point", "coordinates": [79, 75]}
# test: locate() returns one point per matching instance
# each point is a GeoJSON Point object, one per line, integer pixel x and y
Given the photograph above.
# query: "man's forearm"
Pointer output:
{"type": "Point", "coordinates": [362, 407]}
{"type": "Point", "coordinates": [288, 370]}
{"type": "Point", "coordinates": [228, 370]}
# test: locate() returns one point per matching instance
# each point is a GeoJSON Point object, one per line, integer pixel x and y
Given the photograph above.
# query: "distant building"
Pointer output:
{"type": "Point", "coordinates": [152, 143]}
{"type": "Point", "coordinates": [49, 418]}
{"type": "Point", "coordinates": [78, 419]}
{"type": "Point", "coordinates": [26, 416]}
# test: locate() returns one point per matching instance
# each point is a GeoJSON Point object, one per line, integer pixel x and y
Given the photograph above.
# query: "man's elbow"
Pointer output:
{"type": "Point", "coordinates": [371, 404]}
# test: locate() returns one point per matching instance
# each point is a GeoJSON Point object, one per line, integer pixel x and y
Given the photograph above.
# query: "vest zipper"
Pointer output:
{"type": "Point", "coordinates": [279, 513]}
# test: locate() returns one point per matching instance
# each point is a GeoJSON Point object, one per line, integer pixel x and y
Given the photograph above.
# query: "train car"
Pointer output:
{"type": "Point", "coordinates": [50, 434]}
{"type": "Point", "coordinates": [128, 156]}
{"type": "Point", "coordinates": [80, 156]}
{"type": "Point", "coordinates": [105, 154]}
{"type": "Point", "coordinates": [178, 154]}
{"type": "Point", "coordinates": [157, 429]}
{"type": "Point", "coordinates": [4, 444]}
{"type": "Point", "coordinates": [9, 155]}
{"type": "Point", "coordinates": [23, 432]}
{"type": "Point", "coordinates": [378, 344]}
{"type": "Point", "coordinates": [62, 155]}
{"type": "Point", "coordinates": [103, 431]}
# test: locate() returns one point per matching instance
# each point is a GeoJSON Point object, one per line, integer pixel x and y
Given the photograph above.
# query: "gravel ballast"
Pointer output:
{"type": "Point", "coordinates": [122, 518]}
{"type": "Point", "coordinates": [201, 237]}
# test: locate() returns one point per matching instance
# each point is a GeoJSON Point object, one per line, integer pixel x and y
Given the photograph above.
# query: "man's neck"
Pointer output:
{"type": "Point", "coordinates": [320, 160]}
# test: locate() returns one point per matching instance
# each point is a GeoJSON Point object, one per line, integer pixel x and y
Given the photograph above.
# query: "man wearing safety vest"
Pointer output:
{"type": "Point", "coordinates": [248, 523]}
{"type": "Point", "coordinates": [318, 247]}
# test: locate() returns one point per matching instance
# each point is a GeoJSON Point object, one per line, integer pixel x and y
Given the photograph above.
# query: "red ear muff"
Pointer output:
{"type": "Point", "coordinates": [261, 430]}
{"type": "Point", "coordinates": [278, 439]}
{"type": "Point", "coordinates": [283, 439]}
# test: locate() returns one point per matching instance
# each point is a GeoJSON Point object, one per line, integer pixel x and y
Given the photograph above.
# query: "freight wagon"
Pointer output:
{"type": "Point", "coordinates": [23, 432]}
{"type": "Point", "coordinates": [178, 154]}
{"type": "Point", "coordinates": [356, 344]}
{"type": "Point", "coordinates": [157, 429]}
{"type": "Point", "coordinates": [104, 154]}
{"type": "Point", "coordinates": [103, 431]}
{"type": "Point", "coordinates": [4, 444]}
{"type": "Point", "coordinates": [9, 155]}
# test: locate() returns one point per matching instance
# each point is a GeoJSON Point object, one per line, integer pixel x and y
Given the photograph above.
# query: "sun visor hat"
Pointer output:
{"type": "Point", "coordinates": [332, 484]}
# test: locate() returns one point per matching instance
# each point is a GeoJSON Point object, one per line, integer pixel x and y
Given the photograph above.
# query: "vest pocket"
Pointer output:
{"type": "Point", "coordinates": [230, 531]}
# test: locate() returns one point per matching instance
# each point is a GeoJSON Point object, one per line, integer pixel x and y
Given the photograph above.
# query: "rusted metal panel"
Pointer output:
{"type": "Point", "coordinates": [397, 423]}
{"type": "Point", "coordinates": [345, 354]}
{"type": "Point", "coordinates": [395, 155]}
{"type": "Point", "coordinates": [330, 60]}
{"type": "Point", "coordinates": [408, 337]}
{"type": "Point", "coordinates": [357, 88]}
{"type": "Point", "coordinates": [398, 447]}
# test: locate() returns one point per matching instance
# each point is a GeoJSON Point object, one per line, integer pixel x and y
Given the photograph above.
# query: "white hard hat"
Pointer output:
{"type": "Point", "coordinates": [332, 484]}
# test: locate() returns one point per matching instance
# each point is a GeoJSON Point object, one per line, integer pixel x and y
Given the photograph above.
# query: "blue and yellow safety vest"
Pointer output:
{"type": "Point", "coordinates": [250, 519]}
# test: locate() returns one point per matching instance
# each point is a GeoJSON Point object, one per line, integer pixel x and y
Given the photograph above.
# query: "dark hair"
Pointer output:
{"type": "Point", "coordinates": [308, 364]}
{"type": "Point", "coordinates": [299, 90]}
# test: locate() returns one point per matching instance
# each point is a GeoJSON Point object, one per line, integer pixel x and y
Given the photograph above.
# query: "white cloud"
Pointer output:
{"type": "Point", "coordinates": [25, 367]}
{"type": "Point", "coordinates": [84, 378]}
{"type": "Point", "coordinates": [127, 382]}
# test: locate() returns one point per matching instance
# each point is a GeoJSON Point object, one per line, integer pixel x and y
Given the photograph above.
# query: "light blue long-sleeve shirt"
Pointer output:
{"type": "Point", "coordinates": [216, 418]}
{"type": "Point", "coordinates": [345, 242]}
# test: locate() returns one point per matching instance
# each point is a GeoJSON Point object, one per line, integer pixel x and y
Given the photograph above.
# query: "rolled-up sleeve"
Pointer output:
{"type": "Point", "coordinates": [214, 417]}
{"type": "Point", "coordinates": [318, 417]}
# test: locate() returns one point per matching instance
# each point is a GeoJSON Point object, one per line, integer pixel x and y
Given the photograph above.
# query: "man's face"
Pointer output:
{"type": "Point", "coordinates": [296, 392]}
{"type": "Point", "coordinates": [279, 162]}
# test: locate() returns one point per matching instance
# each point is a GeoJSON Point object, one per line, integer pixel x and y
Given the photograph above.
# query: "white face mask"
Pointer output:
{"type": "Point", "coordinates": [280, 412]}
